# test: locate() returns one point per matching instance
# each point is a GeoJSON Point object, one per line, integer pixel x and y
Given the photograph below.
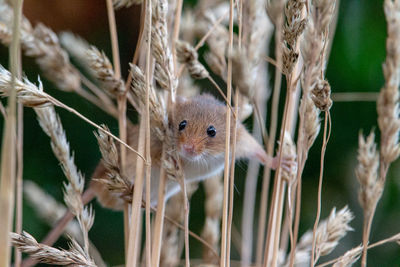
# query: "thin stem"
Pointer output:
{"type": "Point", "coordinates": [134, 231]}
{"type": "Point", "coordinates": [355, 97]}
{"type": "Point", "coordinates": [227, 146]}
{"type": "Point", "coordinates": [121, 104]}
{"type": "Point", "coordinates": [114, 38]}
{"type": "Point", "coordinates": [232, 178]}
{"type": "Point", "coordinates": [9, 149]}
{"type": "Point", "coordinates": [148, 138]}
{"type": "Point", "coordinates": [175, 33]}
{"type": "Point", "coordinates": [159, 221]}
{"type": "Point", "coordinates": [270, 144]}
{"type": "Point", "coordinates": [393, 238]}
{"type": "Point", "coordinates": [19, 184]}
{"type": "Point", "coordinates": [20, 159]}
{"type": "Point", "coordinates": [321, 173]}
{"type": "Point", "coordinates": [221, 93]}
{"type": "Point", "coordinates": [186, 211]}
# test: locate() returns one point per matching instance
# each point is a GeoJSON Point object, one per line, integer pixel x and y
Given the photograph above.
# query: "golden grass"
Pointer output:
{"type": "Point", "coordinates": [164, 58]}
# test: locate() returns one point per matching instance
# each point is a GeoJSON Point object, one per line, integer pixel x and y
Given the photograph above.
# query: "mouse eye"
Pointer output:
{"type": "Point", "coordinates": [211, 131]}
{"type": "Point", "coordinates": [182, 125]}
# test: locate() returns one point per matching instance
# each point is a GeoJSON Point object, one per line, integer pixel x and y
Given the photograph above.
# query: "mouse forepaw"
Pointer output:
{"type": "Point", "coordinates": [288, 163]}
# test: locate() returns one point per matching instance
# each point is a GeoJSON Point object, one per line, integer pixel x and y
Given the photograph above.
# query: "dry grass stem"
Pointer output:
{"type": "Point", "coordinates": [276, 8]}
{"type": "Point", "coordinates": [224, 230]}
{"type": "Point", "coordinates": [354, 251]}
{"type": "Point", "coordinates": [9, 146]}
{"type": "Point", "coordinates": [46, 254]}
{"type": "Point", "coordinates": [213, 207]}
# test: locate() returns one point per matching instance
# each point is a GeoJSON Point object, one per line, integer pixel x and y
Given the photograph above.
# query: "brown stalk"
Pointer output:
{"type": "Point", "coordinates": [223, 261]}
{"type": "Point", "coordinates": [186, 220]}
{"type": "Point", "coordinates": [271, 141]}
{"type": "Point", "coordinates": [175, 33]}
{"type": "Point", "coordinates": [276, 211]}
{"type": "Point", "coordinates": [232, 180]}
{"type": "Point", "coordinates": [159, 221]}
{"type": "Point", "coordinates": [20, 160]}
{"type": "Point", "coordinates": [147, 132]}
{"type": "Point", "coordinates": [9, 147]}
{"type": "Point", "coordinates": [121, 105]}
{"type": "Point", "coordinates": [19, 183]}
{"type": "Point", "coordinates": [134, 232]}
{"type": "Point", "coordinates": [321, 173]}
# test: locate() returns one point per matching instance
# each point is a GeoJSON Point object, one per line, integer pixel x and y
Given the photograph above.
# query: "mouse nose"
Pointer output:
{"type": "Point", "coordinates": [189, 148]}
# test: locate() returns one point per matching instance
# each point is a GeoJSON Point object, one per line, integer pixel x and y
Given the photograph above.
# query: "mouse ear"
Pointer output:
{"type": "Point", "coordinates": [248, 147]}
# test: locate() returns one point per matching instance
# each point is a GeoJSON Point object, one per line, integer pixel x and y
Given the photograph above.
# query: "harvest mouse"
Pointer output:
{"type": "Point", "coordinates": [198, 126]}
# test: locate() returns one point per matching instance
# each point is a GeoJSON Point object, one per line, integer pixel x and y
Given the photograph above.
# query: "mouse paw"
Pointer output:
{"type": "Point", "coordinates": [288, 163]}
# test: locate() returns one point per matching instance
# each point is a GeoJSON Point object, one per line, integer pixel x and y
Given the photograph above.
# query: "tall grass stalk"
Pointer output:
{"type": "Point", "coordinates": [272, 135]}
{"type": "Point", "coordinates": [224, 230]}
{"type": "Point", "coordinates": [9, 145]}
{"type": "Point", "coordinates": [149, 76]}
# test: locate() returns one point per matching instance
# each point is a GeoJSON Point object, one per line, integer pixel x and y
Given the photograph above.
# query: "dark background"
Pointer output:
{"type": "Point", "coordinates": [355, 65]}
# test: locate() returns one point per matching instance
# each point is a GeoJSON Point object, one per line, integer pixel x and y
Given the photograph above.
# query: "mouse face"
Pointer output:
{"type": "Point", "coordinates": [199, 123]}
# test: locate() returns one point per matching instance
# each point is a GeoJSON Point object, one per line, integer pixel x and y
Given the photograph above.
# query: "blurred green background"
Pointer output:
{"type": "Point", "coordinates": [355, 65]}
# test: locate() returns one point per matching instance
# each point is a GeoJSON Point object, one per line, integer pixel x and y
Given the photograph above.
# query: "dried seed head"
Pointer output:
{"type": "Point", "coordinates": [388, 106]}
{"type": "Point", "coordinates": [216, 64]}
{"type": "Point", "coordinates": [164, 68]}
{"type": "Point", "coordinates": [331, 230]}
{"type": "Point", "coordinates": [321, 95]}
{"type": "Point", "coordinates": [241, 75]}
{"type": "Point", "coordinates": [311, 120]}
{"type": "Point", "coordinates": [158, 114]}
{"type": "Point", "coordinates": [295, 25]}
{"type": "Point", "coordinates": [289, 57]}
{"type": "Point", "coordinates": [349, 258]}
{"type": "Point", "coordinates": [27, 93]}
{"type": "Point", "coordinates": [76, 47]}
{"type": "Point", "coordinates": [75, 256]}
{"type": "Point", "coordinates": [188, 55]}
{"type": "Point", "coordinates": [367, 173]}
{"type": "Point", "coordinates": [51, 58]}
{"type": "Point", "coordinates": [115, 181]}
{"type": "Point", "coordinates": [104, 72]}
{"type": "Point", "coordinates": [126, 3]}
{"type": "Point", "coordinates": [48, 209]}
{"type": "Point", "coordinates": [217, 43]}
{"type": "Point", "coordinates": [289, 152]}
